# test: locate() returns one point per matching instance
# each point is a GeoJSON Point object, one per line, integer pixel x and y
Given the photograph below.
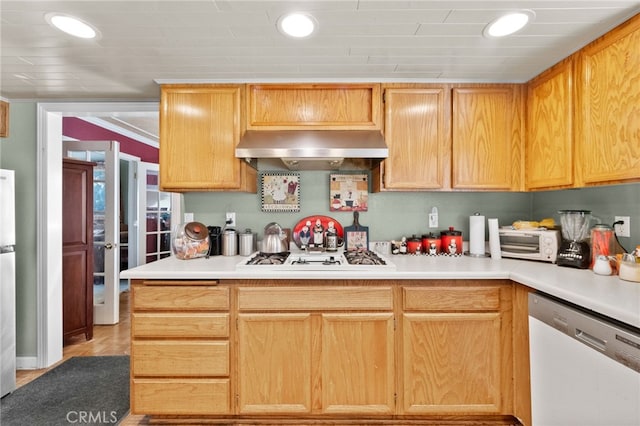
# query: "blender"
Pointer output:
{"type": "Point", "coordinates": [574, 249]}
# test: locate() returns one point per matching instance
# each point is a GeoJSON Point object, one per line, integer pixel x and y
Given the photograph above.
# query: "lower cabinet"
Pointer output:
{"type": "Point", "coordinates": [180, 360]}
{"type": "Point", "coordinates": [322, 359]}
{"type": "Point", "coordinates": [343, 351]}
{"type": "Point", "coordinates": [456, 356]}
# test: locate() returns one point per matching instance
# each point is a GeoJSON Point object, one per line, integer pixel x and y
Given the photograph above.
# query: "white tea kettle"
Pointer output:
{"type": "Point", "coordinates": [275, 239]}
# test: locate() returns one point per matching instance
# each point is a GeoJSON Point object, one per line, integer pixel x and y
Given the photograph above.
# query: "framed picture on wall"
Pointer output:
{"type": "Point", "coordinates": [348, 192]}
{"type": "Point", "coordinates": [280, 191]}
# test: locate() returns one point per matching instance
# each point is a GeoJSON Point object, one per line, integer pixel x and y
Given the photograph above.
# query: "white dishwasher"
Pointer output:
{"type": "Point", "coordinates": [585, 369]}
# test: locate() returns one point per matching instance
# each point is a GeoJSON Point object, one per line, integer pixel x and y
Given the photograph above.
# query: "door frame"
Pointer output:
{"type": "Point", "coordinates": [107, 312]}
{"type": "Point", "coordinates": [49, 216]}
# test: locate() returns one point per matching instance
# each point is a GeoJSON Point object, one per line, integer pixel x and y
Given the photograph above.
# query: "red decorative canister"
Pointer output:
{"type": "Point", "coordinates": [451, 241]}
{"type": "Point", "coordinates": [431, 244]}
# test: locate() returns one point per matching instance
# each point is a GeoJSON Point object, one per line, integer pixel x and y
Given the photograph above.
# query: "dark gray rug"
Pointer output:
{"type": "Point", "coordinates": [87, 390]}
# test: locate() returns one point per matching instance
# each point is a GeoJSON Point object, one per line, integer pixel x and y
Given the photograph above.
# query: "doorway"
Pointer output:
{"type": "Point", "coordinates": [106, 224]}
{"type": "Point", "coordinates": [49, 205]}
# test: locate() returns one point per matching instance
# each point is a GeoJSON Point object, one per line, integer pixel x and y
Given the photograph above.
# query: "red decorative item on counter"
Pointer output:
{"type": "Point", "coordinates": [451, 241]}
{"type": "Point", "coordinates": [602, 242]}
{"type": "Point", "coordinates": [431, 244]}
{"type": "Point", "coordinates": [414, 245]}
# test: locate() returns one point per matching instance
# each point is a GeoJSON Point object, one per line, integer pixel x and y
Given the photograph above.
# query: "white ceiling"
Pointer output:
{"type": "Point", "coordinates": [147, 42]}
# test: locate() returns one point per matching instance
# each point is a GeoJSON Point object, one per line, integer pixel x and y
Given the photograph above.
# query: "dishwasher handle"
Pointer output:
{"type": "Point", "coordinates": [590, 340]}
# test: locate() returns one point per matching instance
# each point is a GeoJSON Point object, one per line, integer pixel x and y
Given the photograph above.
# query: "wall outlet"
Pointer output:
{"type": "Point", "coordinates": [231, 220]}
{"type": "Point", "coordinates": [188, 217]}
{"type": "Point", "coordinates": [623, 230]}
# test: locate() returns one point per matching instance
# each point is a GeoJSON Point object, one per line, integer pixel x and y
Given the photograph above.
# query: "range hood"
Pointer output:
{"type": "Point", "coordinates": [315, 149]}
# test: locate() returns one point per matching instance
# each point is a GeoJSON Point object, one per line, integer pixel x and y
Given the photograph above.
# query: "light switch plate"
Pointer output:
{"type": "Point", "coordinates": [433, 218]}
{"type": "Point", "coordinates": [188, 217]}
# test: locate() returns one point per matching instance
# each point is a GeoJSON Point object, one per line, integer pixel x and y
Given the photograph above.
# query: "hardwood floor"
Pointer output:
{"type": "Point", "coordinates": [107, 340]}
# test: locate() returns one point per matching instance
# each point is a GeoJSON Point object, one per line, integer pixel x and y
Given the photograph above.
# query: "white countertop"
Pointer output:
{"type": "Point", "coordinates": [607, 295]}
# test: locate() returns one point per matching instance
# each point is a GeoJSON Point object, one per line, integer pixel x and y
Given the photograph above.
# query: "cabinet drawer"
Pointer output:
{"type": "Point", "coordinates": [315, 298]}
{"type": "Point", "coordinates": [184, 396]}
{"type": "Point", "coordinates": [179, 325]}
{"type": "Point", "coordinates": [183, 298]}
{"type": "Point", "coordinates": [451, 298]}
{"type": "Point", "coordinates": [179, 358]}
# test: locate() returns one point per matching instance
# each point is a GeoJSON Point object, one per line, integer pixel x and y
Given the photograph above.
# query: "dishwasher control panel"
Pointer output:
{"type": "Point", "coordinates": [614, 340]}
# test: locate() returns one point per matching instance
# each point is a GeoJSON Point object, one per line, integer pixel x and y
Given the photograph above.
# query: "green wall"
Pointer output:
{"type": "Point", "coordinates": [605, 202]}
{"type": "Point", "coordinates": [390, 215]}
{"type": "Point", "coordinates": [18, 152]}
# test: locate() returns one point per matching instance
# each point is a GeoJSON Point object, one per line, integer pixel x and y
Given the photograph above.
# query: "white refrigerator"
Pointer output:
{"type": "Point", "coordinates": [7, 283]}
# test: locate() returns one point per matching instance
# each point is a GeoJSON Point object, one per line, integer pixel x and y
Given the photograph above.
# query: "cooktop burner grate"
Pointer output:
{"type": "Point", "coordinates": [268, 259]}
{"type": "Point", "coordinates": [363, 257]}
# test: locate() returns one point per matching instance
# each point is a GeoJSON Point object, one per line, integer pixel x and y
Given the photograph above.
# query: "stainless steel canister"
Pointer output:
{"type": "Point", "coordinates": [229, 242]}
{"type": "Point", "coordinates": [246, 243]}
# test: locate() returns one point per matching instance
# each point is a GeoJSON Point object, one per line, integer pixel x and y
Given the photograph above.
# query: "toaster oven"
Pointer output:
{"type": "Point", "coordinates": [530, 244]}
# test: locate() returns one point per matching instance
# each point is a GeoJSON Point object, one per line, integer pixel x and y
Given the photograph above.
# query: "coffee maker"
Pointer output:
{"type": "Point", "coordinates": [575, 250]}
{"type": "Point", "coordinates": [215, 240]}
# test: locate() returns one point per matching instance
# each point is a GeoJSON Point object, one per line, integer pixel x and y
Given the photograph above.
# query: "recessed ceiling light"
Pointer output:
{"type": "Point", "coordinates": [297, 24]}
{"type": "Point", "coordinates": [71, 25]}
{"type": "Point", "coordinates": [509, 23]}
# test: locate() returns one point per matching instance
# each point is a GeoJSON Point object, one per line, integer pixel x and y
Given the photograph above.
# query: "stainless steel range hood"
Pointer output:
{"type": "Point", "coordinates": [316, 149]}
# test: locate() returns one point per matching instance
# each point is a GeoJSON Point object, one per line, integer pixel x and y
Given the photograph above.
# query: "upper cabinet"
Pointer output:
{"type": "Point", "coordinates": [608, 119]}
{"type": "Point", "coordinates": [487, 137]}
{"type": "Point", "coordinates": [200, 126]}
{"type": "Point", "coordinates": [549, 143]}
{"type": "Point", "coordinates": [313, 106]}
{"type": "Point", "coordinates": [417, 132]}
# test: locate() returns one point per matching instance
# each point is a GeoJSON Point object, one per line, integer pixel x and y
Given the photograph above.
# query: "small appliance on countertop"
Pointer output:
{"type": "Point", "coordinates": [529, 244]}
{"type": "Point", "coordinates": [575, 250]}
{"type": "Point", "coordinates": [318, 260]}
{"type": "Point", "coordinates": [215, 240]}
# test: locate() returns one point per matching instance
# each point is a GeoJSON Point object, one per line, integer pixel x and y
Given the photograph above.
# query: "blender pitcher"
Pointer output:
{"type": "Point", "coordinates": [574, 249]}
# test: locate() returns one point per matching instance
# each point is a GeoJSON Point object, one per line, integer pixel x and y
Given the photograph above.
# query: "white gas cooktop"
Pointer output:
{"type": "Point", "coordinates": [317, 261]}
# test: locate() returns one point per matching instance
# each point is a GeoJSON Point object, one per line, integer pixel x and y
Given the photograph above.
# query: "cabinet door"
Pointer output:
{"type": "Point", "coordinates": [199, 131]}
{"type": "Point", "coordinates": [313, 106]}
{"type": "Point", "coordinates": [451, 363]}
{"type": "Point", "coordinates": [487, 137]}
{"type": "Point", "coordinates": [549, 141]}
{"type": "Point", "coordinates": [418, 136]}
{"type": "Point", "coordinates": [274, 363]}
{"type": "Point", "coordinates": [609, 116]}
{"type": "Point", "coordinates": [358, 363]}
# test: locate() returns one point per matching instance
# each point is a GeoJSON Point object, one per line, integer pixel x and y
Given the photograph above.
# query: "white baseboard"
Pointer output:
{"type": "Point", "coordinates": [26, 363]}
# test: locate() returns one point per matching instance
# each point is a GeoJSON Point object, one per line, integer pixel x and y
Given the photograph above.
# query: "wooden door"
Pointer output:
{"type": "Point", "coordinates": [200, 127]}
{"type": "Point", "coordinates": [608, 114]}
{"type": "Point", "coordinates": [358, 363]}
{"type": "Point", "coordinates": [274, 363]}
{"type": "Point", "coordinates": [549, 159]}
{"type": "Point", "coordinates": [487, 137]}
{"type": "Point", "coordinates": [313, 106]}
{"type": "Point", "coordinates": [452, 363]}
{"type": "Point", "coordinates": [77, 248]}
{"type": "Point", "coordinates": [417, 123]}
